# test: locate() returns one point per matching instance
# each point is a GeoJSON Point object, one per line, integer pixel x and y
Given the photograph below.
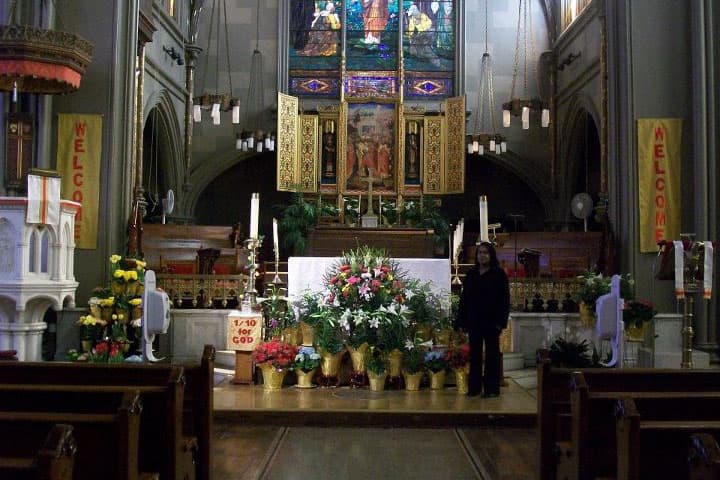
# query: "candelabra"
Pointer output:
{"type": "Point", "coordinates": [456, 277]}
{"type": "Point", "coordinates": [250, 295]}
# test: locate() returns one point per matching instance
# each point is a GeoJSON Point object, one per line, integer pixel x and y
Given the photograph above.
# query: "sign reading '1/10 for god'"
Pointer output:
{"type": "Point", "coordinates": [244, 331]}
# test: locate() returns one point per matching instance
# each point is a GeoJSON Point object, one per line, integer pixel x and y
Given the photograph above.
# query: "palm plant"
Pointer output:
{"type": "Point", "coordinates": [295, 221]}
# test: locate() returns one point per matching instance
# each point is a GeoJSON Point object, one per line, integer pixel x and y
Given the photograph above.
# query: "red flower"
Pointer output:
{"type": "Point", "coordinates": [101, 347]}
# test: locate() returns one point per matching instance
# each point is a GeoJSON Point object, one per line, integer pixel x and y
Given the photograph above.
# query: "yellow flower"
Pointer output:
{"type": "Point", "coordinates": [140, 265]}
{"type": "Point", "coordinates": [86, 320]}
{"type": "Point", "coordinates": [114, 316]}
{"type": "Point", "coordinates": [119, 273]}
{"type": "Point", "coordinates": [130, 275]}
{"type": "Point", "coordinates": [107, 302]}
{"type": "Point", "coordinates": [115, 259]}
{"type": "Point", "coordinates": [135, 302]}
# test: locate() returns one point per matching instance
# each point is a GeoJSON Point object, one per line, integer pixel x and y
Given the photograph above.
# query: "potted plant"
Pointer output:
{"type": "Point", "coordinates": [436, 363]}
{"type": "Point", "coordinates": [275, 358]}
{"type": "Point", "coordinates": [329, 339]}
{"type": "Point", "coordinates": [376, 365]}
{"type": "Point", "coordinates": [295, 220]}
{"type": "Point", "coordinates": [413, 364]}
{"type": "Point", "coordinates": [279, 319]}
{"type": "Point", "coordinates": [593, 286]}
{"type": "Point", "coordinates": [570, 354]}
{"type": "Point", "coordinates": [637, 315]}
{"type": "Point", "coordinates": [458, 359]}
{"type": "Point", "coordinates": [425, 213]}
{"type": "Point", "coordinates": [306, 362]}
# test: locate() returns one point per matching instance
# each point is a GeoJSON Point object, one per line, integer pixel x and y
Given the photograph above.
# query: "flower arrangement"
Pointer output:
{"type": "Point", "coordinates": [637, 312]}
{"type": "Point", "coordinates": [594, 285]}
{"type": "Point", "coordinates": [414, 356]}
{"type": "Point", "coordinates": [307, 359]}
{"type": "Point", "coordinates": [279, 354]}
{"type": "Point", "coordinates": [112, 328]}
{"type": "Point", "coordinates": [352, 210]}
{"type": "Point", "coordinates": [277, 315]}
{"type": "Point", "coordinates": [435, 361]}
{"type": "Point", "coordinates": [458, 357]}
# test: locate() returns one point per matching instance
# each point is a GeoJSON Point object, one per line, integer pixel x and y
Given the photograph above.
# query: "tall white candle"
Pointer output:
{"type": "Point", "coordinates": [359, 202]}
{"type": "Point", "coordinates": [380, 204]}
{"type": "Point", "coordinates": [254, 214]}
{"type": "Point", "coordinates": [275, 235]}
{"type": "Point", "coordinates": [484, 234]}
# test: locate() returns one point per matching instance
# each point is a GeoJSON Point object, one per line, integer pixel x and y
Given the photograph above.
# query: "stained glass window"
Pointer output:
{"type": "Point", "coordinates": [373, 31]}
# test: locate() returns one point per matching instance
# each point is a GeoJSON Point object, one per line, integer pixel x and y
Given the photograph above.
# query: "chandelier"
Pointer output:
{"type": "Point", "coordinates": [218, 101]}
{"type": "Point", "coordinates": [523, 106]}
{"type": "Point", "coordinates": [485, 115]}
{"type": "Point", "coordinates": [253, 137]}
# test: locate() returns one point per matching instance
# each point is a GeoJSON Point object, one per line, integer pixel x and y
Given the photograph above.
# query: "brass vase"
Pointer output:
{"type": "Point", "coordinates": [291, 335]}
{"type": "Point", "coordinates": [358, 355]}
{"type": "Point", "coordinates": [377, 381]}
{"type": "Point", "coordinates": [308, 334]}
{"type": "Point", "coordinates": [330, 363]}
{"type": "Point", "coordinates": [462, 377]}
{"type": "Point", "coordinates": [412, 380]}
{"type": "Point", "coordinates": [587, 315]}
{"type": "Point", "coordinates": [437, 380]}
{"type": "Point", "coordinates": [117, 288]}
{"type": "Point", "coordinates": [424, 332]}
{"type": "Point", "coordinates": [634, 333]}
{"type": "Point", "coordinates": [86, 345]}
{"type": "Point", "coordinates": [95, 309]}
{"type": "Point", "coordinates": [305, 379]}
{"type": "Point", "coordinates": [395, 363]}
{"type": "Point", "coordinates": [131, 289]}
{"type": "Point", "coordinates": [272, 378]}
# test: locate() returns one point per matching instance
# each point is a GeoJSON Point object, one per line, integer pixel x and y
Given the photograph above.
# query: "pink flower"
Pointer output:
{"type": "Point", "coordinates": [353, 280]}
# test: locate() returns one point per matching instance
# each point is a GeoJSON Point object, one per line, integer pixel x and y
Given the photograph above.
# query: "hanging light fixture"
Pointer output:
{"type": "Point", "coordinates": [217, 102]}
{"type": "Point", "coordinates": [523, 106]}
{"type": "Point", "coordinates": [486, 136]}
{"type": "Point", "coordinates": [253, 138]}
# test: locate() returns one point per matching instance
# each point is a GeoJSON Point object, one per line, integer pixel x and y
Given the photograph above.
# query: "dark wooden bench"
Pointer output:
{"type": "Point", "coordinates": [704, 457]}
{"type": "Point", "coordinates": [555, 421]}
{"type": "Point", "coordinates": [53, 460]}
{"type": "Point", "coordinates": [177, 399]}
{"type": "Point", "coordinates": [106, 427]}
{"type": "Point", "coordinates": [653, 433]}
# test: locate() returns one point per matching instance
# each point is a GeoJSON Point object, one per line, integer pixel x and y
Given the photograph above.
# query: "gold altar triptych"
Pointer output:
{"type": "Point", "coordinates": [344, 148]}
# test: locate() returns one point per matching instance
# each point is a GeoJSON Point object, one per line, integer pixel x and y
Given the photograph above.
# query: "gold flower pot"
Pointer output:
{"type": "Point", "coordinates": [395, 363]}
{"type": "Point", "coordinates": [305, 379]}
{"type": "Point", "coordinates": [291, 335]}
{"type": "Point", "coordinates": [443, 337]}
{"type": "Point", "coordinates": [123, 315]}
{"type": "Point", "coordinates": [636, 334]}
{"type": "Point", "coordinates": [117, 288]}
{"type": "Point", "coordinates": [424, 332]}
{"type": "Point", "coordinates": [136, 312]}
{"type": "Point", "coordinates": [272, 378]}
{"type": "Point", "coordinates": [95, 309]}
{"type": "Point", "coordinates": [377, 381]}
{"type": "Point", "coordinates": [131, 289]}
{"type": "Point", "coordinates": [412, 380]}
{"type": "Point", "coordinates": [462, 377]}
{"type": "Point", "coordinates": [308, 334]}
{"type": "Point", "coordinates": [358, 355]}
{"type": "Point", "coordinates": [437, 380]}
{"type": "Point", "coordinates": [106, 313]}
{"type": "Point", "coordinates": [86, 345]}
{"type": "Point", "coordinates": [330, 363]}
{"type": "Point", "coordinates": [587, 315]}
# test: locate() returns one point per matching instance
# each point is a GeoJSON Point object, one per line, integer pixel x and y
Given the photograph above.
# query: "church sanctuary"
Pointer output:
{"type": "Point", "coordinates": [359, 239]}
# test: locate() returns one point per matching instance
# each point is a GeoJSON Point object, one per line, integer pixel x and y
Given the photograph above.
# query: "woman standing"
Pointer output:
{"type": "Point", "coordinates": [483, 312]}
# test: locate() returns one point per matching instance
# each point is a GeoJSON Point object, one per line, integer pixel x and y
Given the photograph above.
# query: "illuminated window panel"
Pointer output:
{"type": "Point", "coordinates": [371, 35]}
{"type": "Point", "coordinates": [419, 85]}
{"type": "Point", "coordinates": [429, 37]}
{"type": "Point", "coordinates": [367, 85]}
{"type": "Point", "coordinates": [314, 86]}
{"type": "Point", "coordinates": [315, 35]}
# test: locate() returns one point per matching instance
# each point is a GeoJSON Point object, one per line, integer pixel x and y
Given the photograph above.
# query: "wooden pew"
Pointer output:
{"type": "Point", "coordinates": [54, 460]}
{"type": "Point", "coordinates": [653, 433]}
{"type": "Point", "coordinates": [106, 426]}
{"type": "Point", "coordinates": [178, 404]}
{"type": "Point", "coordinates": [554, 400]}
{"type": "Point", "coordinates": [704, 457]}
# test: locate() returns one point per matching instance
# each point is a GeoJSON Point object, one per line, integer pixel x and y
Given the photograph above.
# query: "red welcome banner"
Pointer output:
{"type": "Point", "coordinates": [659, 141]}
{"type": "Point", "coordinates": [78, 161]}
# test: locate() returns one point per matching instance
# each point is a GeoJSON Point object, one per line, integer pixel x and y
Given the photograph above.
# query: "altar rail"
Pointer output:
{"type": "Point", "coordinates": [203, 291]}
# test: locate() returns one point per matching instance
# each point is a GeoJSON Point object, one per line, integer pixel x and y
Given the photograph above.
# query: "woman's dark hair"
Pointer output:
{"type": "Point", "coordinates": [494, 263]}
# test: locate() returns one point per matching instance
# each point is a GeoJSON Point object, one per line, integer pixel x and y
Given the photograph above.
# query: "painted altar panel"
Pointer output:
{"type": "Point", "coordinates": [454, 174]}
{"type": "Point", "coordinates": [371, 153]}
{"type": "Point", "coordinates": [287, 126]}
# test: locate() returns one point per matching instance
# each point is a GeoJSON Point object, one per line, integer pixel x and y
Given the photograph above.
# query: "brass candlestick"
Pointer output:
{"type": "Point", "coordinates": [276, 279]}
{"type": "Point", "coordinates": [250, 294]}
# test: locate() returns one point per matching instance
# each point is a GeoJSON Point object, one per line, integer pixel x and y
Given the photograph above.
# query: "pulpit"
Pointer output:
{"type": "Point", "coordinates": [331, 241]}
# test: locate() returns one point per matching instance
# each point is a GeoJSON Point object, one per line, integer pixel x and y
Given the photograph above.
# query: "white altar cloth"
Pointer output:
{"type": "Point", "coordinates": [306, 273]}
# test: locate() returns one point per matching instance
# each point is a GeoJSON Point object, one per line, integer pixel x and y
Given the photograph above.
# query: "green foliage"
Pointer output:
{"type": "Point", "coordinates": [637, 312]}
{"type": "Point", "coordinates": [328, 333]}
{"type": "Point", "coordinates": [594, 285]}
{"type": "Point", "coordinates": [426, 214]}
{"type": "Point", "coordinates": [277, 315]}
{"type": "Point", "coordinates": [569, 354]}
{"type": "Point", "coordinates": [413, 358]}
{"type": "Point", "coordinates": [376, 361]}
{"type": "Point", "coordinates": [295, 221]}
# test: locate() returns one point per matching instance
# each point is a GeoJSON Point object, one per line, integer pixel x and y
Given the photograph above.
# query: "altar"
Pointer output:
{"type": "Point", "coordinates": [307, 273]}
{"type": "Point", "coordinates": [326, 240]}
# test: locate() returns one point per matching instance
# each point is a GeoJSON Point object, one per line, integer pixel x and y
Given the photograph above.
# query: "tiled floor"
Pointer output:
{"type": "Point", "coordinates": [356, 434]}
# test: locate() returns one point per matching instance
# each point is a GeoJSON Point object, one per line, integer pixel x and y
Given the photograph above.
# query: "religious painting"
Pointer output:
{"type": "Point", "coordinates": [328, 144]}
{"type": "Point", "coordinates": [413, 152]}
{"type": "Point", "coordinates": [372, 34]}
{"type": "Point", "coordinates": [315, 34]}
{"type": "Point", "coordinates": [370, 157]}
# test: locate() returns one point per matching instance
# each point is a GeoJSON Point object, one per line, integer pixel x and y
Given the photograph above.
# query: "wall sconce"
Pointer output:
{"type": "Point", "coordinates": [174, 54]}
{"type": "Point", "coordinates": [568, 60]}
